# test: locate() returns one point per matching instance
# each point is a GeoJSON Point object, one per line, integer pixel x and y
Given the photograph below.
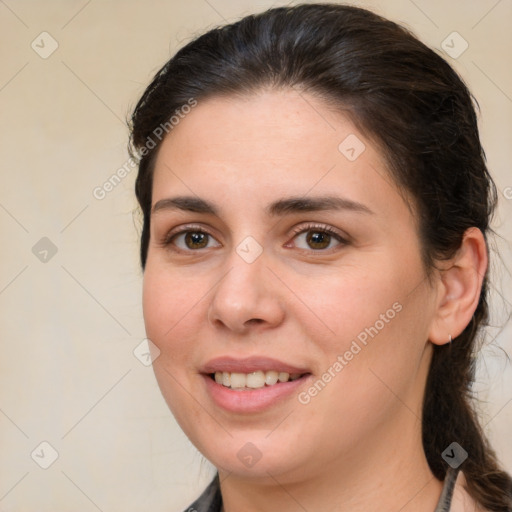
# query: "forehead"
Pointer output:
{"type": "Point", "coordinates": [238, 125]}
{"type": "Point", "coordinates": [279, 130]}
{"type": "Point", "coordinates": [270, 144]}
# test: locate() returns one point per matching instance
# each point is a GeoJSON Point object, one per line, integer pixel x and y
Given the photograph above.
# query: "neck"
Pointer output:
{"type": "Point", "coordinates": [386, 475]}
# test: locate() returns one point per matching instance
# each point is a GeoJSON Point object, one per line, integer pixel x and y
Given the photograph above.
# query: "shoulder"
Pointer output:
{"type": "Point", "coordinates": [462, 501]}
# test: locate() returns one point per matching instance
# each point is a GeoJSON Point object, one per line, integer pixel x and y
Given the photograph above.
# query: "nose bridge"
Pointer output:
{"type": "Point", "coordinates": [245, 292]}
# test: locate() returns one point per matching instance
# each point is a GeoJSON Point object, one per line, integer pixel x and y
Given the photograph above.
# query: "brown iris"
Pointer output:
{"type": "Point", "coordinates": [197, 240]}
{"type": "Point", "coordinates": [318, 239]}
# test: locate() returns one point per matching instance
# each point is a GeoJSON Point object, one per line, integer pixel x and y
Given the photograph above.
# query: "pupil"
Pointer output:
{"type": "Point", "coordinates": [196, 239]}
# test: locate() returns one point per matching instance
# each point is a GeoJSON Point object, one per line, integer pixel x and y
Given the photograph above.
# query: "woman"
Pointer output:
{"type": "Point", "coordinates": [316, 205]}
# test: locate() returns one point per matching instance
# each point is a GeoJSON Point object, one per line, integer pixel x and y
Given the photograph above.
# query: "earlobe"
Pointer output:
{"type": "Point", "coordinates": [460, 285]}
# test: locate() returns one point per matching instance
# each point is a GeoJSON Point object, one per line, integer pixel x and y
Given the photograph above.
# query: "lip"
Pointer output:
{"type": "Point", "coordinates": [249, 364]}
{"type": "Point", "coordinates": [252, 400]}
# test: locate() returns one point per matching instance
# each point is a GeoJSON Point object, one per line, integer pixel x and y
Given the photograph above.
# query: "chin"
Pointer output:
{"type": "Point", "coordinates": [255, 456]}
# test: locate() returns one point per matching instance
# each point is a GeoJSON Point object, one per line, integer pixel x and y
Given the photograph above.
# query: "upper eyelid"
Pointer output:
{"type": "Point", "coordinates": [185, 229]}
{"type": "Point", "coordinates": [320, 227]}
{"type": "Point", "coordinates": [295, 230]}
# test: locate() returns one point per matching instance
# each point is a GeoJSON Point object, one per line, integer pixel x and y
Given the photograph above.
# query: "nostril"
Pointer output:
{"type": "Point", "coordinates": [254, 321]}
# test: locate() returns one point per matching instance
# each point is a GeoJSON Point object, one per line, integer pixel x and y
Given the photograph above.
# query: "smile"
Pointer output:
{"type": "Point", "coordinates": [252, 384]}
{"type": "Point", "coordinates": [253, 380]}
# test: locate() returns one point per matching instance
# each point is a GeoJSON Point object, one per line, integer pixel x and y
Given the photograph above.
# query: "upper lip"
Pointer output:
{"type": "Point", "coordinates": [249, 365]}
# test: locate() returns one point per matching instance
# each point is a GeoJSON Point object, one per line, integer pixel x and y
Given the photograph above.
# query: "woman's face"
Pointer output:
{"type": "Point", "coordinates": [280, 245]}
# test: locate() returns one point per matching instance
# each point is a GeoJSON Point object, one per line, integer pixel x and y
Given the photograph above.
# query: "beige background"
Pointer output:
{"type": "Point", "coordinates": [69, 324]}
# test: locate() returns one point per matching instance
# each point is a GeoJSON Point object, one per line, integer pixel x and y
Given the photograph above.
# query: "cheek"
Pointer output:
{"type": "Point", "coordinates": [375, 353]}
{"type": "Point", "coordinates": [352, 298]}
{"type": "Point", "coordinates": [377, 319]}
{"type": "Point", "coordinates": [155, 295]}
{"type": "Point", "coordinates": [168, 308]}
{"type": "Point", "coordinates": [169, 320]}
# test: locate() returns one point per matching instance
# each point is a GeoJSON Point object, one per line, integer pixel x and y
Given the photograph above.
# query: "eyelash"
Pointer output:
{"type": "Point", "coordinates": [320, 228]}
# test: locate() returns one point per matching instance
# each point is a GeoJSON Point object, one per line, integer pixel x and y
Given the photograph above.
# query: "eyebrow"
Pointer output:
{"type": "Point", "coordinates": [284, 206]}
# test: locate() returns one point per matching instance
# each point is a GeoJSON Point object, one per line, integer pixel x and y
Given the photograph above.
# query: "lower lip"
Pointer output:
{"type": "Point", "coordinates": [253, 400]}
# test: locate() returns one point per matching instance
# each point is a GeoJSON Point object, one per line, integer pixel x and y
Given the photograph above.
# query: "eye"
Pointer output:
{"type": "Point", "coordinates": [190, 239]}
{"type": "Point", "coordinates": [318, 237]}
{"type": "Point", "coordinates": [313, 236]}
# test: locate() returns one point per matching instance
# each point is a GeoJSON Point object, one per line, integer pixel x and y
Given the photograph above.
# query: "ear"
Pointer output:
{"type": "Point", "coordinates": [459, 287]}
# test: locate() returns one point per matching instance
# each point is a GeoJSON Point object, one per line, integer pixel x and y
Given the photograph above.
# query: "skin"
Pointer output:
{"type": "Point", "coordinates": [357, 444]}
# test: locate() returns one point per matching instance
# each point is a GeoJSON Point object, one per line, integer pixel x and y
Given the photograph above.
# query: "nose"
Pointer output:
{"type": "Point", "coordinates": [248, 295]}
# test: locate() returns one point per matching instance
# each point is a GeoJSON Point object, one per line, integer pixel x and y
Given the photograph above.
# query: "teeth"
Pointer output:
{"type": "Point", "coordinates": [253, 380]}
{"type": "Point", "coordinates": [238, 380]}
{"type": "Point", "coordinates": [271, 378]}
{"type": "Point", "coordinates": [283, 377]}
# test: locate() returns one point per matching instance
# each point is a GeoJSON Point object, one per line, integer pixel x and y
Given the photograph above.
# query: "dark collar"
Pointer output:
{"type": "Point", "coordinates": [211, 499]}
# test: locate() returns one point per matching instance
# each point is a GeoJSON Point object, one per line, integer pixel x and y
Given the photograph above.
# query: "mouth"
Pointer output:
{"type": "Point", "coordinates": [254, 380]}
{"type": "Point", "coordinates": [254, 384]}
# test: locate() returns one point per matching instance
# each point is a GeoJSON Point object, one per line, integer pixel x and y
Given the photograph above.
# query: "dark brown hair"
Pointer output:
{"type": "Point", "coordinates": [413, 104]}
